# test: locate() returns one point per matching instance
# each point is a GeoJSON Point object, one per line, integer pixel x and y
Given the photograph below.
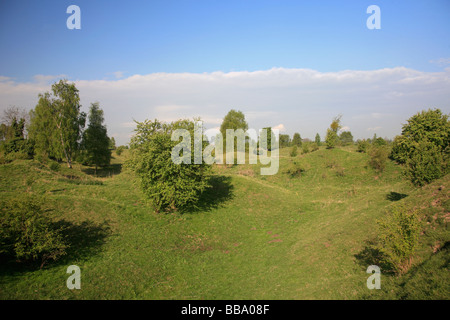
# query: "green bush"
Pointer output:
{"type": "Point", "coordinates": [362, 145]}
{"type": "Point", "coordinates": [27, 232]}
{"type": "Point", "coordinates": [119, 150]}
{"type": "Point", "coordinates": [378, 158]}
{"type": "Point", "coordinates": [168, 185]}
{"type": "Point", "coordinates": [294, 151]}
{"type": "Point", "coordinates": [331, 139]}
{"type": "Point", "coordinates": [398, 238]}
{"type": "Point", "coordinates": [305, 147]}
{"type": "Point", "coordinates": [296, 168]}
{"type": "Point", "coordinates": [423, 146]}
{"type": "Point", "coordinates": [401, 148]}
{"type": "Point", "coordinates": [379, 142]}
{"type": "Point", "coordinates": [425, 163]}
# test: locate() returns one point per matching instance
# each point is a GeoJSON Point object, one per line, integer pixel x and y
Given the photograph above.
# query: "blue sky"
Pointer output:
{"type": "Point", "coordinates": [120, 39]}
{"type": "Point", "coordinates": [141, 37]}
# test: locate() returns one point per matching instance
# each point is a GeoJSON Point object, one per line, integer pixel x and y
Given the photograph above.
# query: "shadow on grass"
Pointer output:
{"type": "Point", "coordinates": [370, 255]}
{"type": "Point", "coordinates": [395, 196]}
{"type": "Point", "coordinates": [84, 240]}
{"type": "Point", "coordinates": [221, 191]}
{"type": "Point", "coordinates": [104, 172]}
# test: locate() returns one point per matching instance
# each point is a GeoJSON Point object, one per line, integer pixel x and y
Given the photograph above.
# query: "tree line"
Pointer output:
{"type": "Point", "coordinates": [57, 130]}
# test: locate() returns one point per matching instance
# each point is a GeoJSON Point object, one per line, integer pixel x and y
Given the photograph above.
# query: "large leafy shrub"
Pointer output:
{"type": "Point", "coordinates": [168, 185]}
{"type": "Point", "coordinates": [425, 163]}
{"type": "Point", "coordinates": [378, 157]}
{"type": "Point", "coordinates": [398, 238]}
{"type": "Point", "coordinates": [27, 232]}
{"type": "Point", "coordinates": [423, 146]}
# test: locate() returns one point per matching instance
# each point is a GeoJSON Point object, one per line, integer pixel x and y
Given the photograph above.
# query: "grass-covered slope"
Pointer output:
{"type": "Point", "coordinates": [251, 236]}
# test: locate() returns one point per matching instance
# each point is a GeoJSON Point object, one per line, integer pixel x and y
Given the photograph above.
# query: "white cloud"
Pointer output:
{"type": "Point", "coordinates": [279, 127]}
{"type": "Point", "coordinates": [345, 128]}
{"type": "Point", "coordinates": [44, 79]}
{"type": "Point", "coordinates": [441, 61]}
{"type": "Point", "coordinates": [118, 74]}
{"type": "Point", "coordinates": [302, 100]}
{"type": "Point", "coordinates": [374, 128]}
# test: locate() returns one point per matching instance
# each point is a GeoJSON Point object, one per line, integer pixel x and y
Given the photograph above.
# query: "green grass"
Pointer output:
{"type": "Point", "coordinates": [250, 237]}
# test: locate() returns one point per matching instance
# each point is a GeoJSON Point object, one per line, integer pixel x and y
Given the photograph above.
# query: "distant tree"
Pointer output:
{"type": "Point", "coordinates": [267, 141]}
{"type": "Point", "coordinates": [4, 132]}
{"type": "Point", "coordinates": [336, 124]}
{"type": "Point", "coordinates": [284, 140]}
{"type": "Point", "coordinates": [233, 120]}
{"type": "Point", "coordinates": [95, 139]}
{"type": "Point", "coordinates": [56, 122]}
{"type": "Point", "coordinates": [120, 149]}
{"type": "Point", "coordinates": [16, 114]}
{"type": "Point", "coordinates": [317, 140]}
{"type": "Point", "coordinates": [297, 140]}
{"type": "Point", "coordinates": [112, 143]}
{"type": "Point", "coordinates": [362, 145]}
{"type": "Point", "coordinates": [346, 138]}
{"type": "Point", "coordinates": [332, 137]}
{"type": "Point", "coordinates": [12, 135]}
{"type": "Point", "coordinates": [378, 158]}
{"type": "Point", "coordinates": [379, 142]}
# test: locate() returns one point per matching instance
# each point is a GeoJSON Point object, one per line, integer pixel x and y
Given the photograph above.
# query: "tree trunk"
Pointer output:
{"type": "Point", "coordinates": [69, 161]}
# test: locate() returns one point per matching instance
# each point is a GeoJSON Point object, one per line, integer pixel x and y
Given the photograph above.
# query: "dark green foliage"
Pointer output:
{"type": "Point", "coordinates": [401, 148]}
{"type": "Point", "coordinates": [398, 238]}
{"type": "Point", "coordinates": [233, 120]}
{"type": "Point", "coordinates": [12, 143]}
{"type": "Point", "coordinates": [317, 140]}
{"type": "Point", "coordinates": [296, 168]}
{"type": "Point", "coordinates": [379, 142]}
{"type": "Point", "coordinates": [362, 145]}
{"type": "Point", "coordinates": [119, 150]}
{"type": "Point", "coordinates": [423, 146]}
{"type": "Point", "coordinates": [297, 140]}
{"type": "Point", "coordinates": [54, 166]}
{"type": "Point", "coordinates": [331, 139]}
{"type": "Point", "coordinates": [267, 140]}
{"type": "Point", "coordinates": [294, 151]}
{"type": "Point", "coordinates": [425, 163]}
{"type": "Point", "coordinates": [96, 143]}
{"type": "Point", "coordinates": [168, 185]}
{"type": "Point", "coordinates": [284, 140]}
{"type": "Point", "coordinates": [112, 143]}
{"type": "Point", "coordinates": [305, 147]}
{"type": "Point", "coordinates": [27, 232]}
{"type": "Point", "coordinates": [431, 125]}
{"type": "Point", "coordinates": [346, 138]}
{"type": "Point", "coordinates": [378, 158]}
{"type": "Point", "coordinates": [17, 148]}
{"type": "Point", "coordinates": [56, 123]}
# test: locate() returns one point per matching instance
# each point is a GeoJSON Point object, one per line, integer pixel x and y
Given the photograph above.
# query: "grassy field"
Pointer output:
{"type": "Point", "coordinates": [251, 236]}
